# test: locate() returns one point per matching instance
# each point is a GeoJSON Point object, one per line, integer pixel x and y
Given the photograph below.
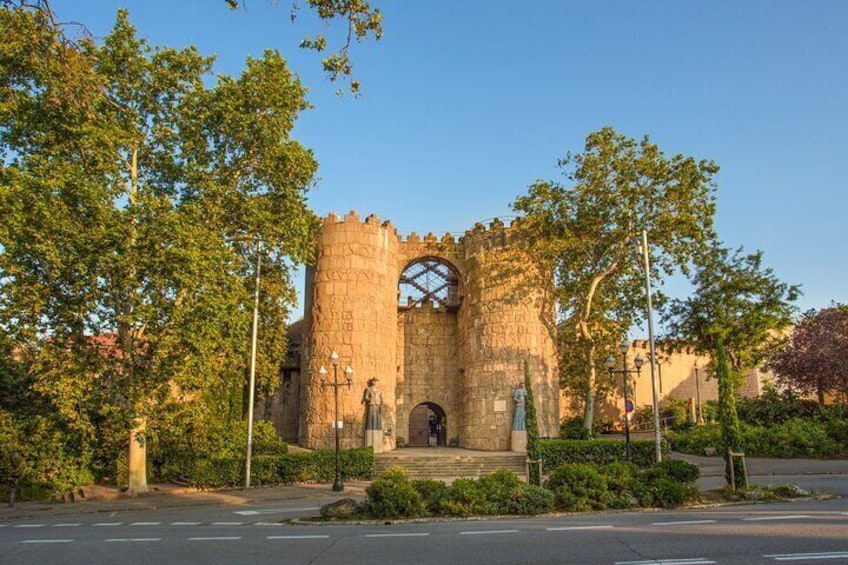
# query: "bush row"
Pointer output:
{"type": "Point", "coordinates": [394, 495]}
{"type": "Point", "coordinates": [793, 438]}
{"type": "Point", "coordinates": [555, 452]}
{"type": "Point", "coordinates": [287, 468]}
{"type": "Point", "coordinates": [583, 486]}
{"type": "Point", "coordinates": [571, 487]}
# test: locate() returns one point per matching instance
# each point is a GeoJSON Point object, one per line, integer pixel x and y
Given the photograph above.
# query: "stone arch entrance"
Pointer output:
{"type": "Point", "coordinates": [427, 426]}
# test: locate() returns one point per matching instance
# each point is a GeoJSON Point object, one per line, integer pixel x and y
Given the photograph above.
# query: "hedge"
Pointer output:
{"type": "Point", "coordinates": [307, 466]}
{"type": "Point", "coordinates": [556, 452]}
{"type": "Point", "coordinates": [793, 438]}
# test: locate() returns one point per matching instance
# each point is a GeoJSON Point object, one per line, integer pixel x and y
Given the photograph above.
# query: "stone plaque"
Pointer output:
{"type": "Point", "coordinates": [500, 405]}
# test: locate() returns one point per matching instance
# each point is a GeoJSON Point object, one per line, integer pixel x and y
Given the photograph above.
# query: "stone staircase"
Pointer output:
{"type": "Point", "coordinates": [450, 466]}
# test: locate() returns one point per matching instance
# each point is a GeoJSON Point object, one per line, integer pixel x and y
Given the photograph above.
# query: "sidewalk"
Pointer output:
{"type": "Point", "coordinates": [169, 496]}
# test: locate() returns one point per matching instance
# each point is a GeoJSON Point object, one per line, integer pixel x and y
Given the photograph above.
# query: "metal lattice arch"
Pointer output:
{"type": "Point", "coordinates": [429, 282]}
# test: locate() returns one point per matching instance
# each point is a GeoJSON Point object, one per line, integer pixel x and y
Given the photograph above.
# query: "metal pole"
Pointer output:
{"type": "Point", "coordinates": [700, 417]}
{"type": "Point", "coordinates": [628, 448]}
{"type": "Point", "coordinates": [252, 383]}
{"type": "Point", "coordinates": [337, 484]}
{"type": "Point", "coordinates": [653, 357]}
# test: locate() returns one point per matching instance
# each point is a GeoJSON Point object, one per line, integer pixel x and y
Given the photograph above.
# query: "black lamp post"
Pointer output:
{"type": "Point", "coordinates": [625, 372]}
{"type": "Point", "coordinates": [334, 361]}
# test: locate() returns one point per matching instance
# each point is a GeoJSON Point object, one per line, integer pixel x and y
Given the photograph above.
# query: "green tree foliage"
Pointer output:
{"type": "Point", "coordinates": [360, 21]}
{"type": "Point", "coordinates": [735, 310]}
{"type": "Point", "coordinates": [583, 234]}
{"type": "Point", "coordinates": [814, 360]}
{"type": "Point", "coordinates": [132, 194]}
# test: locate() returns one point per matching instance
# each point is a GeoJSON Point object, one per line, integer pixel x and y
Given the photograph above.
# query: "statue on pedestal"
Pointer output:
{"type": "Point", "coordinates": [519, 397]}
{"type": "Point", "coordinates": [373, 422]}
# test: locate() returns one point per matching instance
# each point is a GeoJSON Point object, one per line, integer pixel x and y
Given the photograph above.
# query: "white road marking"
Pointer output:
{"type": "Point", "coordinates": [227, 523]}
{"type": "Point", "coordinates": [269, 524]}
{"type": "Point", "coordinates": [146, 524]}
{"type": "Point", "coordinates": [47, 541]}
{"type": "Point", "coordinates": [108, 524]}
{"type": "Point", "coordinates": [274, 511]}
{"type": "Point", "coordinates": [409, 535]}
{"type": "Point", "coordinates": [485, 532]}
{"type": "Point", "coordinates": [807, 556]}
{"type": "Point", "coordinates": [684, 561]}
{"type": "Point", "coordinates": [216, 538]}
{"type": "Point", "coordinates": [66, 525]}
{"type": "Point", "coordinates": [576, 528]}
{"type": "Point", "coordinates": [297, 537]}
{"type": "Point", "coordinates": [186, 523]}
{"type": "Point", "coordinates": [765, 518]}
{"type": "Point", "coordinates": [28, 526]}
{"type": "Point", "coordinates": [683, 523]}
{"type": "Point", "coordinates": [131, 539]}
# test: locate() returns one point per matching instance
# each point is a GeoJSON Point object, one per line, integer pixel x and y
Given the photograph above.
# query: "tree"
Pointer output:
{"type": "Point", "coordinates": [531, 424]}
{"type": "Point", "coordinates": [815, 356]}
{"type": "Point", "coordinates": [735, 310]}
{"type": "Point", "coordinates": [583, 234]}
{"type": "Point", "coordinates": [132, 194]}
{"type": "Point", "coordinates": [359, 20]}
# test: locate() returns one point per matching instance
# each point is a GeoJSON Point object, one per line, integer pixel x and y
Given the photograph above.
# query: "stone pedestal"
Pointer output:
{"type": "Point", "coordinates": [374, 439]}
{"type": "Point", "coordinates": [519, 441]}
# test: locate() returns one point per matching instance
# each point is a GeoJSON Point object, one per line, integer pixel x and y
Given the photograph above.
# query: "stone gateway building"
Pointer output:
{"type": "Point", "coordinates": [444, 325]}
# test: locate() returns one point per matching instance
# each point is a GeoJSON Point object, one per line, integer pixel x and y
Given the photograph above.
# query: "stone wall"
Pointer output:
{"type": "Point", "coordinates": [430, 368]}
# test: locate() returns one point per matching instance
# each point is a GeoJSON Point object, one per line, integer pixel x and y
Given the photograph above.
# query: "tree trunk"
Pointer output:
{"type": "Point", "coordinates": [589, 408]}
{"type": "Point", "coordinates": [138, 458]}
{"type": "Point", "coordinates": [728, 419]}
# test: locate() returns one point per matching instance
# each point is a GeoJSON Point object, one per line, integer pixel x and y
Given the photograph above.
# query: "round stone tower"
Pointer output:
{"type": "Point", "coordinates": [504, 321]}
{"type": "Point", "coordinates": [351, 308]}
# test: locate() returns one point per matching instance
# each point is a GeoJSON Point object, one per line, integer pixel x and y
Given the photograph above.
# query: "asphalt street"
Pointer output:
{"type": "Point", "coordinates": [808, 531]}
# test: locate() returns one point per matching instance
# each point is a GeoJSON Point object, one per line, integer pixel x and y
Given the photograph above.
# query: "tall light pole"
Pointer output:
{"type": "Point", "coordinates": [646, 264]}
{"type": "Point", "coordinates": [700, 416]}
{"type": "Point", "coordinates": [334, 361]}
{"type": "Point", "coordinates": [252, 382]}
{"type": "Point", "coordinates": [625, 373]}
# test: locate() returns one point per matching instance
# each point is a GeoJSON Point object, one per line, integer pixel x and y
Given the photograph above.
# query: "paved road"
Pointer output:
{"type": "Point", "coordinates": [799, 532]}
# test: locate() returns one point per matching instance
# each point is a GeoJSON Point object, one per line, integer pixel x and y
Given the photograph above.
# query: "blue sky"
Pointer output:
{"type": "Point", "coordinates": [467, 102]}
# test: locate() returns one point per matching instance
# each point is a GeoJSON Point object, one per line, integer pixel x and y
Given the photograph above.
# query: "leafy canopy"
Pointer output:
{"type": "Point", "coordinates": [583, 234]}
{"type": "Point", "coordinates": [814, 359]}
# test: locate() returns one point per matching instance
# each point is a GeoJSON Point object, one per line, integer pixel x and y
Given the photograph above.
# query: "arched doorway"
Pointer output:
{"type": "Point", "coordinates": [427, 426]}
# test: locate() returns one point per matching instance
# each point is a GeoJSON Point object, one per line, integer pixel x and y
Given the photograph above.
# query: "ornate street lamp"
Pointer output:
{"type": "Point", "coordinates": [625, 372]}
{"type": "Point", "coordinates": [334, 361]}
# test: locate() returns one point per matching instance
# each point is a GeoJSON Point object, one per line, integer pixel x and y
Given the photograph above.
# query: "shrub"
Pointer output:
{"type": "Point", "coordinates": [675, 470]}
{"type": "Point", "coordinates": [287, 468]}
{"type": "Point", "coordinates": [572, 428]}
{"type": "Point", "coordinates": [773, 408]}
{"type": "Point", "coordinates": [533, 500]}
{"type": "Point", "coordinates": [622, 479]}
{"type": "Point", "coordinates": [433, 493]}
{"type": "Point", "coordinates": [392, 496]}
{"type": "Point", "coordinates": [462, 496]}
{"type": "Point", "coordinates": [794, 438]}
{"type": "Point", "coordinates": [670, 494]}
{"type": "Point", "coordinates": [695, 440]}
{"type": "Point", "coordinates": [578, 487]}
{"type": "Point", "coordinates": [556, 452]}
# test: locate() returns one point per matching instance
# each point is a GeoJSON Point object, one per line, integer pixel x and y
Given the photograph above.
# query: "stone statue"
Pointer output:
{"type": "Point", "coordinates": [372, 401]}
{"type": "Point", "coordinates": [519, 397]}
